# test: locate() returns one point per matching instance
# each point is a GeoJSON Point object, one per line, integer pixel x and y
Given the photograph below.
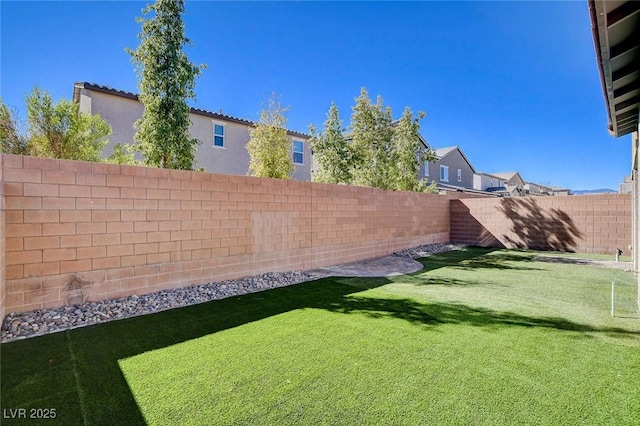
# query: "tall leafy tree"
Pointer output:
{"type": "Point", "coordinates": [331, 150]}
{"type": "Point", "coordinates": [12, 141]}
{"type": "Point", "coordinates": [123, 153]}
{"type": "Point", "coordinates": [408, 152]}
{"type": "Point", "coordinates": [377, 152]}
{"type": "Point", "coordinates": [166, 79]}
{"type": "Point", "coordinates": [371, 146]}
{"type": "Point", "coordinates": [61, 131]}
{"type": "Point", "coordinates": [269, 146]}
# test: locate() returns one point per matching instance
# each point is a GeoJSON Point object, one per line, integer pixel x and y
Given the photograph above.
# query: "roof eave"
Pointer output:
{"type": "Point", "coordinates": [598, 31]}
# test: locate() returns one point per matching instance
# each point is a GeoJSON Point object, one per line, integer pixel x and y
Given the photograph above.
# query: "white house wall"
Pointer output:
{"type": "Point", "coordinates": [481, 182]}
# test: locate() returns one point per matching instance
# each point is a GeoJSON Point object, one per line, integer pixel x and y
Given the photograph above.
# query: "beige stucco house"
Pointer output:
{"type": "Point", "coordinates": [224, 138]}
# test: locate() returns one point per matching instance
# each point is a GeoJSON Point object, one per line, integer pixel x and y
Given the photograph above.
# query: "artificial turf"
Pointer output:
{"type": "Point", "coordinates": [476, 337]}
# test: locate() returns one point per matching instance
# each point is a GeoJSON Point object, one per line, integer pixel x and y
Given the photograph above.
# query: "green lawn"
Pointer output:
{"type": "Point", "coordinates": [477, 337]}
{"type": "Point", "coordinates": [612, 257]}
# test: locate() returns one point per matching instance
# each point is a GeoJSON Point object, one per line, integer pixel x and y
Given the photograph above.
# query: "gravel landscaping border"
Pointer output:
{"type": "Point", "coordinates": [44, 321]}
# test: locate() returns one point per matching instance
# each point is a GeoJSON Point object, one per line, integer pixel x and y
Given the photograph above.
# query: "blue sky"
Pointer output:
{"type": "Point", "coordinates": [514, 84]}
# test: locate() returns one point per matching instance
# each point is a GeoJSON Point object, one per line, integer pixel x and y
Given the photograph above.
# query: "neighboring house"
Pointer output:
{"type": "Point", "coordinates": [450, 170]}
{"type": "Point", "coordinates": [513, 182]}
{"type": "Point", "coordinates": [224, 138]}
{"type": "Point", "coordinates": [558, 190]}
{"type": "Point", "coordinates": [483, 181]}
{"type": "Point", "coordinates": [531, 188]}
{"type": "Point", "coordinates": [625, 187]}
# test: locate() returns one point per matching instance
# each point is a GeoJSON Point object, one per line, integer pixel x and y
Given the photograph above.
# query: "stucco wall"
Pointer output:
{"type": "Point", "coordinates": [78, 231]}
{"type": "Point", "coordinates": [120, 112]}
{"type": "Point", "coordinates": [454, 161]}
{"type": "Point", "coordinates": [230, 159]}
{"type": "Point", "coordinates": [587, 224]}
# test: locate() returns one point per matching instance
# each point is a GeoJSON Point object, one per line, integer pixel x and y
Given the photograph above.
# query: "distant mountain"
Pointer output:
{"type": "Point", "coordinates": [593, 191]}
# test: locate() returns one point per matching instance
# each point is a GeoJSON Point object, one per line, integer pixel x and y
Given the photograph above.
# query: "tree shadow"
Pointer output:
{"type": "Point", "coordinates": [421, 281]}
{"type": "Point", "coordinates": [473, 258]}
{"type": "Point", "coordinates": [78, 371]}
{"type": "Point", "coordinates": [466, 229]}
{"type": "Point", "coordinates": [433, 314]}
{"type": "Point", "coordinates": [535, 228]}
{"type": "Point", "coordinates": [499, 261]}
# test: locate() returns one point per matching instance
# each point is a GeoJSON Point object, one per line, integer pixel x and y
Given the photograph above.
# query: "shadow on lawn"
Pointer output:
{"type": "Point", "coordinates": [473, 258]}
{"type": "Point", "coordinates": [77, 371]}
{"type": "Point", "coordinates": [418, 280]}
{"type": "Point", "coordinates": [453, 313]}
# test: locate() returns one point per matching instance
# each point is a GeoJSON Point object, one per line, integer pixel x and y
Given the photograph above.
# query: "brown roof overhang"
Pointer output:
{"type": "Point", "coordinates": [615, 27]}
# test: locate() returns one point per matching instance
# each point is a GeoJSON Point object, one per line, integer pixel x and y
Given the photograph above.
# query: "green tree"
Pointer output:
{"type": "Point", "coordinates": [166, 79]}
{"type": "Point", "coordinates": [427, 187]}
{"type": "Point", "coordinates": [269, 146]}
{"type": "Point", "coordinates": [331, 150]}
{"type": "Point", "coordinates": [61, 131]}
{"type": "Point", "coordinates": [12, 141]}
{"type": "Point", "coordinates": [408, 152]}
{"type": "Point", "coordinates": [123, 153]}
{"type": "Point", "coordinates": [371, 146]}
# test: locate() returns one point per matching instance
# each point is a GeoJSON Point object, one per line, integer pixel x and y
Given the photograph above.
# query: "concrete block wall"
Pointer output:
{"type": "Point", "coordinates": [587, 224]}
{"type": "Point", "coordinates": [78, 231]}
{"type": "Point", "coordinates": [3, 288]}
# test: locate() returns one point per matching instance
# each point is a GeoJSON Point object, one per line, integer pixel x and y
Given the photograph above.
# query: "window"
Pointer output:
{"type": "Point", "coordinates": [459, 175]}
{"type": "Point", "coordinates": [218, 135]}
{"type": "Point", "coordinates": [444, 173]}
{"type": "Point", "coordinates": [426, 169]}
{"type": "Point", "coordinates": [298, 152]}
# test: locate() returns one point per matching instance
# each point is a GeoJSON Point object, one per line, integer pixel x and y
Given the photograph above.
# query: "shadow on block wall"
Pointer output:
{"type": "Point", "coordinates": [466, 229]}
{"type": "Point", "coordinates": [534, 228]}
